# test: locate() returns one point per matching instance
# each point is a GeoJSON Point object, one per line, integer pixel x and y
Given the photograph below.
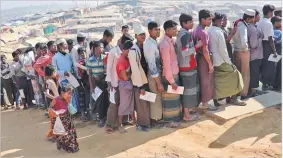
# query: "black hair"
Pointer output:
{"type": "Point", "coordinates": [15, 53]}
{"type": "Point", "coordinates": [275, 19]}
{"type": "Point", "coordinates": [90, 45]}
{"type": "Point", "coordinates": [128, 45]}
{"type": "Point", "coordinates": [65, 87]}
{"type": "Point", "coordinates": [80, 39]}
{"type": "Point", "coordinates": [97, 44]}
{"type": "Point", "coordinates": [217, 16]}
{"type": "Point", "coordinates": [125, 27]}
{"type": "Point", "coordinates": [81, 50]}
{"type": "Point", "coordinates": [185, 18]}
{"type": "Point", "coordinates": [49, 70]}
{"type": "Point", "coordinates": [151, 25]}
{"type": "Point", "coordinates": [256, 12]}
{"type": "Point", "coordinates": [224, 15]}
{"type": "Point", "coordinates": [169, 24]}
{"type": "Point", "coordinates": [37, 45]}
{"type": "Point", "coordinates": [42, 46]}
{"type": "Point", "coordinates": [245, 17]}
{"type": "Point", "coordinates": [126, 38]}
{"type": "Point", "coordinates": [70, 42]}
{"type": "Point", "coordinates": [267, 8]}
{"type": "Point", "coordinates": [50, 43]}
{"type": "Point", "coordinates": [203, 14]}
{"type": "Point", "coordinates": [277, 12]}
{"type": "Point", "coordinates": [108, 33]}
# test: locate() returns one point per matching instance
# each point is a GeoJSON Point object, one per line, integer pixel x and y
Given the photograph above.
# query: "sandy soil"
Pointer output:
{"type": "Point", "coordinates": [254, 135]}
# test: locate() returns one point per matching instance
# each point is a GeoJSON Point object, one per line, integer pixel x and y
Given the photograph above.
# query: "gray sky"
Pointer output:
{"type": "Point", "coordinates": [13, 4]}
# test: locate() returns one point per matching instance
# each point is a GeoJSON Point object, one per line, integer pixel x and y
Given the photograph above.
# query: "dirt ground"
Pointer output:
{"type": "Point", "coordinates": [254, 135]}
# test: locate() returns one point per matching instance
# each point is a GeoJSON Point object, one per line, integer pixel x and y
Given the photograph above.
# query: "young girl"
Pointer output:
{"type": "Point", "coordinates": [66, 142]}
{"type": "Point", "coordinates": [51, 93]}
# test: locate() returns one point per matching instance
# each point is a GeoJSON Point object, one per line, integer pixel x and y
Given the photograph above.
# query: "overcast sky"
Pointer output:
{"type": "Point", "coordinates": [13, 4]}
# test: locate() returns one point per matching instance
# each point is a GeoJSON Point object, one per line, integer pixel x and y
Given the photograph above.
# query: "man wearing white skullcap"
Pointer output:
{"type": "Point", "coordinates": [139, 79]}
{"type": "Point", "coordinates": [241, 48]}
{"type": "Point", "coordinates": [74, 52]}
{"type": "Point", "coordinates": [62, 60]}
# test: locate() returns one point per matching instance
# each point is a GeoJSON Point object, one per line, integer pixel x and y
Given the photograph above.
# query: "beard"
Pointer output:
{"type": "Point", "coordinates": [64, 52]}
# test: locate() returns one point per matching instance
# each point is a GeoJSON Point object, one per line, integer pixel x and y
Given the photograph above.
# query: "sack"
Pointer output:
{"type": "Point", "coordinates": [72, 110]}
{"type": "Point", "coordinates": [58, 128]}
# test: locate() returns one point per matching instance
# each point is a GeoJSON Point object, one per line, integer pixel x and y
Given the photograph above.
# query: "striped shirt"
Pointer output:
{"type": "Point", "coordinates": [96, 65]}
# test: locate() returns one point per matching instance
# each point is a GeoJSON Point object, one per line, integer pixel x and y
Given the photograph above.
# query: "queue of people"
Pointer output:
{"type": "Point", "coordinates": [203, 60]}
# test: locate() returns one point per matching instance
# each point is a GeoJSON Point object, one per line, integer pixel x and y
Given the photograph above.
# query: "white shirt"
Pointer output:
{"type": "Point", "coordinates": [75, 56]}
{"type": "Point", "coordinates": [27, 60]}
{"type": "Point", "coordinates": [111, 74]}
{"type": "Point", "coordinates": [217, 46]}
{"type": "Point", "coordinates": [152, 57]}
{"type": "Point", "coordinates": [266, 27]}
{"type": "Point", "coordinates": [138, 76]}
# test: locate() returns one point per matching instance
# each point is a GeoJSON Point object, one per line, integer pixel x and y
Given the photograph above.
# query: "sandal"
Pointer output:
{"type": "Point", "coordinates": [192, 118]}
{"type": "Point", "coordinates": [173, 125]}
{"type": "Point", "coordinates": [209, 108]}
{"type": "Point", "coordinates": [122, 129]}
{"type": "Point", "coordinates": [238, 102]}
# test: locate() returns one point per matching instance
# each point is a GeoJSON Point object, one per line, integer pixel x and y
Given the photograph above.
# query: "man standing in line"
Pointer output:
{"type": "Point", "coordinates": [186, 51]}
{"type": "Point", "coordinates": [205, 67]}
{"type": "Point", "coordinates": [74, 52]}
{"type": "Point", "coordinates": [241, 48]}
{"type": "Point", "coordinates": [228, 36]}
{"type": "Point", "coordinates": [138, 77]}
{"type": "Point", "coordinates": [276, 21]}
{"type": "Point", "coordinates": [170, 76]}
{"type": "Point", "coordinates": [107, 39]}
{"type": "Point", "coordinates": [255, 37]}
{"type": "Point", "coordinates": [152, 57]}
{"type": "Point", "coordinates": [125, 30]}
{"type": "Point", "coordinates": [227, 79]}
{"type": "Point", "coordinates": [268, 68]}
{"type": "Point", "coordinates": [112, 79]}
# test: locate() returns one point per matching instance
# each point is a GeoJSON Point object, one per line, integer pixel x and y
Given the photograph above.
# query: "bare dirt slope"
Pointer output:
{"type": "Point", "coordinates": [254, 135]}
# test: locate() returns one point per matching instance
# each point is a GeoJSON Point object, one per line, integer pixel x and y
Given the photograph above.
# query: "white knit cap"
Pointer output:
{"type": "Point", "coordinates": [250, 12]}
{"type": "Point", "coordinates": [80, 34]}
{"type": "Point", "coordinates": [61, 40]}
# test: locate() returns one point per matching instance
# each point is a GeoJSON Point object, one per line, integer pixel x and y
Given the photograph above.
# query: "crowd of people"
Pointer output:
{"type": "Point", "coordinates": [203, 60]}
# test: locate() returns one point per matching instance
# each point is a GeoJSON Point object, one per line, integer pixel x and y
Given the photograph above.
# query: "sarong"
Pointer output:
{"type": "Point", "coordinates": [126, 106]}
{"type": "Point", "coordinates": [242, 62]}
{"type": "Point", "coordinates": [268, 68]}
{"type": "Point", "coordinates": [67, 142]}
{"type": "Point", "coordinates": [189, 79]}
{"type": "Point", "coordinates": [156, 107]}
{"type": "Point", "coordinates": [112, 112]}
{"type": "Point", "coordinates": [7, 85]}
{"type": "Point", "coordinates": [255, 73]}
{"type": "Point", "coordinates": [171, 102]}
{"type": "Point", "coordinates": [101, 105]}
{"type": "Point", "coordinates": [228, 81]}
{"type": "Point", "coordinates": [206, 80]}
{"type": "Point", "coordinates": [142, 109]}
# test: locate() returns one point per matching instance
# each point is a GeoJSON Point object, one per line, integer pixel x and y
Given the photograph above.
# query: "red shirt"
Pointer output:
{"type": "Point", "coordinates": [42, 62]}
{"type": "Point", "coordinates": [122, 64]}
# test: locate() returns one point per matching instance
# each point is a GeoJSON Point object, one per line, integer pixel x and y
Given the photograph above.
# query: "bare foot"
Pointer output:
{"type": "Point", "coordinates": [173, 125]}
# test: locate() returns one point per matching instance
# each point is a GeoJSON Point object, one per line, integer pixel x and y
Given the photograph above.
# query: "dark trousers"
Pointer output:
{"type": "Point", "coordinates": [26, 86]}
{"type": "Point", "coordinates": [100, 106]}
